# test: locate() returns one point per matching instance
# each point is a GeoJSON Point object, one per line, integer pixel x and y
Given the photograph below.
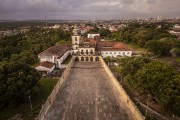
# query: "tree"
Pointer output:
{"type": "Point", "coordinates": [130, 67]}
{"type": "Point", "coordinates": [152, 76]}
{"type": "Point", "coordinates": [158, 47]}
{"type": "Point", "coordinates": [104, 32]}
{"type": "Point", "coordinates": [17, 81]}
{"type": "Point", "coordinates": [169, 94]}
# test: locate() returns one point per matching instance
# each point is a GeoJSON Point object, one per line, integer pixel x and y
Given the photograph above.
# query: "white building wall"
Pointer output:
{"type": "Point", "coordinates": [47, 58]}
{"type": "Point", "coordinates": [53, 59]}
{"type": "Point", "coordinates": [116, 53]}
{"type": "Point", "coordinates": [41, 68]}
{"type": "Point", "coordinates": [93, 35]}
{"type": "Point", "coordinates": [87, 49]}
{"type": "Point", "coordinates": [63, 58]}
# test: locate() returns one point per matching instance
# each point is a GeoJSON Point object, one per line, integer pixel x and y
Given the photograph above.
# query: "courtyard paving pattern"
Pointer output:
{"type": "Point", "coordinates": [88, 94]}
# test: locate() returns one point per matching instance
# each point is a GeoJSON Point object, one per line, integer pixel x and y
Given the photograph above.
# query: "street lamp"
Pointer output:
{"type": "Point", "coordinates": [30, 101]}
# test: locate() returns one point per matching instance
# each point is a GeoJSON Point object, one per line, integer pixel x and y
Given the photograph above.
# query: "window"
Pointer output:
{"type": "Point", "coordinates": [110, 52]}
{"type": "Point", "coordinates": [106, 52]}
{"type": "Point", "coordinates": [91, 51]}
{"type": "Point", "coordinates": [82, 52]}
{"type": "Point", "coordinates": [75, 38]}
{"type": "Point", "coordinates": [114, 52]}
{"type": "Point", "coordinates": [86, 51]}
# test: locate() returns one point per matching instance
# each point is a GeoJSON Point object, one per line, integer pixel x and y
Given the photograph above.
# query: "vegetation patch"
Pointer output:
{"type": "Point", "coordinates": [178, 59]}
{"type": "Point", "coordinates": [158, 80]}
{"type": "Point", "coordinates": [46, 86]}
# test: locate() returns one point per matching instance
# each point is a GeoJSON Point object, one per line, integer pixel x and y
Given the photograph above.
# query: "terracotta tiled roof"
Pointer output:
{"type": "Point", "coordinates": [92, 42]}
{"type": "Point", "coordinates": [107, 43]}
{"type": "Point", "coordinates": [46, 64]}
{"type": "Point", "coordinates": [113, 46]}
{"type": "Point", "coordinates": [57, 50]}
{"type": "Point", "coordinates": [119, 45]}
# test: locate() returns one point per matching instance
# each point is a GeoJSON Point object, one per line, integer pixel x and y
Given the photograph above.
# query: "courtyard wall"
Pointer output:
{"type": "Point", "coordinates": [52, 96]}
{"type": "Point", "coordinates": [123, 96]}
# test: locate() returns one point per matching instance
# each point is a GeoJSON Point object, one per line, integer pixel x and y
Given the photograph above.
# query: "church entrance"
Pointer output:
{"type": "Point", "coordinates": [87, 59]}
{"type": "Point", "coordinates": [82, 58]}
{"type": "Point", "coordinates": [76, 58]}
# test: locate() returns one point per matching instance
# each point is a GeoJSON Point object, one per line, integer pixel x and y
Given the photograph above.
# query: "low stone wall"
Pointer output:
{"type": "Point", "coordinates": [52, 96]}
{"type": "Point", "coordinates": [124, 97]}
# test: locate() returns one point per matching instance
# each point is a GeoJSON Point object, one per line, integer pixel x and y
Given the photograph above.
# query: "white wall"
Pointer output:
{"type": "Point", "coordinates": [42, 68]}
{"type": "Point", "coordinates": [47, 58]}
{"type": "Point", "coordinates": [88, 49]}
{"type": "Point", "coordinates": [116, 53]}
{"type": "Point", "coordinates": [93, 35]}
{"type": "Point", "coordinates": [63, 58]}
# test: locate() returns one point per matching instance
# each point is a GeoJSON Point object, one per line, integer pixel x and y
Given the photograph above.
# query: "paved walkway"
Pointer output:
{"type": "Point", "coordinates": [87, 95]}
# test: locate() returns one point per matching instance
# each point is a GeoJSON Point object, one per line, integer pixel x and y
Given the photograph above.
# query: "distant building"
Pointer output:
{"type": "Point", "coordinates": [25, 30]}
{"type": "Point", "coordinates": [93, 35]}
{"type": "Point", "coordinates": [175, 32]}
{"type": "Point", "coordinates": [176, 26]}
{"type": "Point", "coordinates": [55, 27]}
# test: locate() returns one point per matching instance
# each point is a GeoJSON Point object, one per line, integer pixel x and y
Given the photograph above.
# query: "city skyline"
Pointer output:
{"type": "Point", "coordinates": [87, 9]}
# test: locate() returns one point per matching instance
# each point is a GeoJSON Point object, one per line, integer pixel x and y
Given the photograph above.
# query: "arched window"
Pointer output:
{"type": "Point", "coordinates": [86, 51]}
{"type": "Point", "coordinates": [75, 38]}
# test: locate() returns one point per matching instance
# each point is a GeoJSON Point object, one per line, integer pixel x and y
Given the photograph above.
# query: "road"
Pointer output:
{"type": "Point", "coordinates": [88, 94]}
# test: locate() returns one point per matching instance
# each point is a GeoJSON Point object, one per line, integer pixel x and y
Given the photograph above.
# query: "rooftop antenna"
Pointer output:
{"type": "Point", "coordinates": [46, 21]}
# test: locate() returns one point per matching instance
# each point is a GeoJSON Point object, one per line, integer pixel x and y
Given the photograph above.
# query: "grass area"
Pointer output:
{"type": "Point", "coordinates": [136, 47]}
{"type": "Point", "coordinates": [165, 59]}
{"type": "Point", "coordinates": [37, 101]}
{"type": "Point", "coordinates": [137, 51]}
{"type": "Point", "coordinates": [178, 59]}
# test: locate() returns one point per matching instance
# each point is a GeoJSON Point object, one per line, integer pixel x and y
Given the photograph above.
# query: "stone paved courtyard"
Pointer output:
{"type": "Point", "coordinates": [88, 94]}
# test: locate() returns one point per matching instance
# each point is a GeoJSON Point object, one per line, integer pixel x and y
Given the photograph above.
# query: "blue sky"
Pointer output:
{"type": "Point", "coordinates": [87, 9]}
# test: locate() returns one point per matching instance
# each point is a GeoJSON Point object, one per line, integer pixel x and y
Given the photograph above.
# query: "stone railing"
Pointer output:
{"type": "Point", "coordinates": [52, 96]}
{"type": "Point", "coordinates": [123, 96]}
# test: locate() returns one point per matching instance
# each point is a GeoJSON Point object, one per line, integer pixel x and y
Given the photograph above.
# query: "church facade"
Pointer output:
{"type": "Point", "coordinates": [90, 48]}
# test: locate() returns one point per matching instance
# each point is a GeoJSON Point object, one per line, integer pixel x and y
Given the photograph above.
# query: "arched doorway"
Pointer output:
{"type": "Point", "coordinates": [91, 59]}
{"type": "Point", "coordinates": [87, 59]}
{"type": "Point", "coordinates": [76, 58]}
{"type": "Point", "coordinates": [97, 58]}
{"type": "Point", "coordinates": [82, 58]}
